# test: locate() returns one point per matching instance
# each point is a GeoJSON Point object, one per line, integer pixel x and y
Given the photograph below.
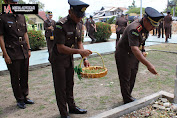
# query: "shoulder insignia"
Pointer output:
{"type": "Point", "coordinates": [139, 28]}
{"type": "Point", "coordinates": [59, 26]}
{"type": "Point", "coordinates": [135, 33]}
{"type": "Point", "coordinates": [63, 20]}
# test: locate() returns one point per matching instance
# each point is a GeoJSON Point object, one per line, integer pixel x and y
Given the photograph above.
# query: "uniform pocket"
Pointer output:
{"type": "Point", "coordinates": [10, 49]}
{"type": "Point", "coordinates": [10, 27]}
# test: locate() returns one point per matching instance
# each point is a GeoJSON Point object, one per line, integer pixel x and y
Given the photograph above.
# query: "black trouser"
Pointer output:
{"type": "Point", "coordinates": [19, 78]}
{"type": "Point", "coordinates": [127, 66]}
{"type": "Point", "coordinates": [160, 28]}
{"type": "Point", "coordinates": [91, 34]}
{"type": "Point", "coordinates": [87, 31]}
{"type": "Point", "coordinates": [170, 32]}
{"type": "Point", "coordinates": [167, 32]}
{"type": "Point", "coordinates": [155, 31]}
{"type": "Point", "coordinates": [63, 74]}
{"type": "Point", "coordinates": [50, 44]}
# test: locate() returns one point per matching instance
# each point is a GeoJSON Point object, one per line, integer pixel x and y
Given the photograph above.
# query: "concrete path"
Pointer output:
{"type": "Point", "coordinates": [40, 57]}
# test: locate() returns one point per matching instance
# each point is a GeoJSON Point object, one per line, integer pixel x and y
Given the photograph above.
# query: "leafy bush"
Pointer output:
{"type": "Point", "coordinates": [111, 20]}
{"type": "Point", "coordinates": [36, 39]}
{"type": "Point", "coordinates": [103, 32]}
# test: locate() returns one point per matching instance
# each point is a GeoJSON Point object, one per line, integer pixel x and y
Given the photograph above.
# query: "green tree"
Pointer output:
{"type": "Point", "coordinates": [1, 2]}
{"type": "Point", "coordinates": [60, 17]}
{"type": "Point", "coordinates": [21, 2]}
{"type": "Point", "coordinates": [136, 10]}
{"type": "Point", "coordinates": [172, 7]}
{"type": "Point", "coordinates": [111, 20]}
{"type": "Point", "coordinates": [40, 4]}
{"type": "Point", "coordinates": [132, 6]}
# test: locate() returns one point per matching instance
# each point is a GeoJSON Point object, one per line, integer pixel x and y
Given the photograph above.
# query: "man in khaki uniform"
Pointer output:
{"type": "Point", "coordinates": [67, 41]}
{"type": "Point", "coordinates": [16, 52]}
{"type": "Point", "coordinates": [167, 25]}
{"type": "Point", "coordinates": [121, 23]}
{"type": "Point", "coordinates": [92, 29]}
{"type": "Point", "coordinates": [49, 25]}
{"type": "Point", "coordinates": [87, 26]}
{"type": "Point", "coordinates": [128, 54]}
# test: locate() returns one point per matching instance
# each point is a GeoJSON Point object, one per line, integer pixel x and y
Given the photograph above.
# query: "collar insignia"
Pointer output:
{"type": "Point", "coordinates": [139, 28]}
{"type": "Point", "coordinates": [83, 9]}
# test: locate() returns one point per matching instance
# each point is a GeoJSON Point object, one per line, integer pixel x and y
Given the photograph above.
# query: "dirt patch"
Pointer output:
{"type": "Point", "coordinates": [95, 95]}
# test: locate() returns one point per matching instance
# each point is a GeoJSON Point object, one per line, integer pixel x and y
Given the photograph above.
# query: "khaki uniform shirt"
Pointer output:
{"type": "Point", "coordinates": [91, 23]}
{"type": "Point", "coordinates": [47, 24]}
{"type": "Point", "coordinates": [167, 21]}
{"type": "Point", "coordinates": [13, 27]}
{"type": "Point", "coordinates": [122, 23]}
{"type": "Point", "coordinates": [134, 35]}
{"type": "Point", "coordinates": [66, 32]}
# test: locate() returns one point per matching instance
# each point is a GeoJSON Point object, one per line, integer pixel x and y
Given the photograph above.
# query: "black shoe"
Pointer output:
{"type": "Point", "coordinates": [65, 117]}
{"type": "Point", "coordinates": [93, 41]}
{"type": "Point", "coordinates": [21, 105]}
{"type": "Point", "coordinates": [133, 99]}
{"type": "Point", "coordinates": [28, 101]}
{"type": "Point", "coordinates": [77, 110]}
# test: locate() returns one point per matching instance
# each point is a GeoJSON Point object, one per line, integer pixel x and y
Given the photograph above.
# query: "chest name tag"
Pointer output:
{"type": "Point", "coordinates": [9, 22]}
{"type": "Point", "coordinates": [135, 33]}
{"type": "Point", "coordinates": [69, 33]}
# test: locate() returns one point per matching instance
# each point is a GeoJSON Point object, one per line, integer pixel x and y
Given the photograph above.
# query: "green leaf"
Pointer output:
{"type": "Point", "coordinates": [78, 70]}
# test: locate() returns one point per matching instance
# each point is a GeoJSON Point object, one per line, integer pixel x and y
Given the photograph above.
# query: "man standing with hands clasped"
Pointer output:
{"type": "Point", "coordinates": [128, 54]}
{"type": "Point", "coordinates": [67, 41]}
{"type": "Point", "coordinates": [49, 25]}
{"type": "Point", "coordinates": [16, 52]}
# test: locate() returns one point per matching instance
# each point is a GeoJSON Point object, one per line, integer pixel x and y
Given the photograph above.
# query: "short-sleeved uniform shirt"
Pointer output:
{"type": "Point", "coordinates": [167, 21]}
{"type": "Point", "coordinates": [66, 32]}
{"type": "Point", "coordinates": [87, 24]}
{"type": "Point", "coordinates": [92, 23]}
{"type": "Point", "coordinates": [122, 23]}
{"type": "Point", "coordinates": [132, 36]}
{"type": "Point", "coordinates": [13, 27]}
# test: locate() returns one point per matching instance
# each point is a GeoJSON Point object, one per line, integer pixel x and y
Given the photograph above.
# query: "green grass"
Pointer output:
{"type": "Point", "coordinates": [1, 111]}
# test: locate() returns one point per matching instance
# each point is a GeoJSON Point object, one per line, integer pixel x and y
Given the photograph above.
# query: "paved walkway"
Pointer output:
{"type": "Point", "coordinates": [41, 57]}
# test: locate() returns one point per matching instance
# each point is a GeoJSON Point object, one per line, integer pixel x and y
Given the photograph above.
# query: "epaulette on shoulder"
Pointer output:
{"type": "Point", "coordinates": [139, 28]}
{"type": "Point", "coordinates": [63, 20]}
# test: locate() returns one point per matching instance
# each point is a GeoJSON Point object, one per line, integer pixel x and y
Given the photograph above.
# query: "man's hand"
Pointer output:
{"type": "Point", "coordinates": [29, 53]}
{"type": "Point", "coordinates": [86, 63]}
{"type": "Point", "coordinates": [7, 59]}
{"type": "Point", "coordinates": [145, 54]}
{"type": "Point", "coordinates": [51, 27]}
{"type": "Point", "coordinates": [151, 68]}
{"type": "Point", "coordinates": [85, 53]}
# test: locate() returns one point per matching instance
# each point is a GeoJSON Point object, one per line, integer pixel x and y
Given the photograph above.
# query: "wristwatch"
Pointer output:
{"type": "Point", "coordinates": [85, 59]}
{"type": "Point", "coordinates": [29, 49]}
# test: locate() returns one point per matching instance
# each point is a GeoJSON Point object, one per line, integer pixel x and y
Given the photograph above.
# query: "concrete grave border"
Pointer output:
{"type": "Point", "coordinates": [133, 106]}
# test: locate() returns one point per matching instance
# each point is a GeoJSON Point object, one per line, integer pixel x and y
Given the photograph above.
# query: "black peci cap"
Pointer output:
{"type": "Point", "coordinates": [153, 16]}
{"type": "Point", "coordinates": [49, 13]}
{"type": "Point", "coordinates": [78, 7]}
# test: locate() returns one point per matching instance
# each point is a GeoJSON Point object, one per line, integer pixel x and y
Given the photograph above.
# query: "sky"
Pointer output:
{"type": "Point", "coordinates": [61, 7]}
